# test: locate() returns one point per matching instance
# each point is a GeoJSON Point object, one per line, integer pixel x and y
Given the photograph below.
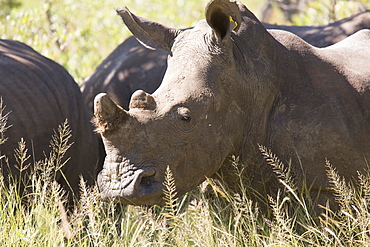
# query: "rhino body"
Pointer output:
{"type": "Point", "coordinates": [131, 66]}
{"type": "Point", "coordinates": [229, 86]}
{"type": "Point", "coordinates": [40, 95]}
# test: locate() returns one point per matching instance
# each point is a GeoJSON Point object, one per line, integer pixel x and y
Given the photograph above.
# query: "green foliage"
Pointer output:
{"type": "Point", "coordinates": [80, 34]}
{"type": "Point", "coordinates": [7, 5]}
{"type": "Point", "coordinates": [310, 12]}
{"type": "Point", "coordinates": [66, 32]}
{"type": "Point", "coordinates": [322, 12]}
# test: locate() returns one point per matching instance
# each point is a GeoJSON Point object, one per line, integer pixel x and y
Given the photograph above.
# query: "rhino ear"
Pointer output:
{"type": "Point", "coordinates": [150, 33]}
{"type": "Point", "coordinates": [107, 115]}
{"type": "Point", "coordinates": [223, 16]}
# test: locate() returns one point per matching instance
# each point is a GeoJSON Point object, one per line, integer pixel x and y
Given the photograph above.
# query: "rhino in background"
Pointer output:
{"type": "Point", "coordinates": [326, 35]}
{"type": "Point", "coordinates": [228, 87]}
{"type": "Point", "coordinates": [131, 66]}
{"type": "Point", "coordinates": [39, 95]}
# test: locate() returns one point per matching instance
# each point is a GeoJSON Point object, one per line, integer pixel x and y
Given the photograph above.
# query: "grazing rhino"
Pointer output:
{"type": "Point", "coordinates": [40, 95]}
{"type": "Point", "coordinates": [229, 86]}
{"type": "Point", "coordinates": [131, 66]}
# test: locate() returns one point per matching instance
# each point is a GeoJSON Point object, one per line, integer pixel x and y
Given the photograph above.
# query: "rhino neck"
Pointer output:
{"type": "Point", "coordinates": [260, 94]}
{"type": "Point", "coordinates": [257, 93]}
{"type": "Point", "coordinates": [260, 90]}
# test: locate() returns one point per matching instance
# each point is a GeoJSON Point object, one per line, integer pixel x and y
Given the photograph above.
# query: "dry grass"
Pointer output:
{"type": "Point", "coordinates": [36, 216]}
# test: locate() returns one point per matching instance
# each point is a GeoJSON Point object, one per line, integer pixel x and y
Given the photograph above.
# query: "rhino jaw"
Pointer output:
{"type": "Point", "coordinates": [136, 187]}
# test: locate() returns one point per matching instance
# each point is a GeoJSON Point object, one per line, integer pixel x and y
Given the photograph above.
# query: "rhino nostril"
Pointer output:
{"type": "Point", "coordinates": [148, 172]}
{"type": "Point", "coordinates": [144, 182]}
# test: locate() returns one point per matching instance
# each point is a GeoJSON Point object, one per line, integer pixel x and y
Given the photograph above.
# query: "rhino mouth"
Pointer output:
{"type": "Point", "coordinates": [130, 184]}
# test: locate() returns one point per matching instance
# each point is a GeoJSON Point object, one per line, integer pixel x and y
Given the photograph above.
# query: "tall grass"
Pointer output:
{"type": "Point", "coordinates": [36, 216]}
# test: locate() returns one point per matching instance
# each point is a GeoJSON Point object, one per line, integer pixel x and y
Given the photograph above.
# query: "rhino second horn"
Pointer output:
{"type": "Point", "coordinates": [142, 100]}
{"type": "Point", "coordinates": [107, 114]}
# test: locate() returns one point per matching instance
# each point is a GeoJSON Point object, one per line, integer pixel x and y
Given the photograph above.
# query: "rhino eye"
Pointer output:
{"type": "Point", "coordinates": [185, 118]}
{"type": "Point", "coordinates": [183, 114]}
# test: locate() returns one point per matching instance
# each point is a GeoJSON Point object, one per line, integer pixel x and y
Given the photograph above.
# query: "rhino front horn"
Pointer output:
{"type": "Point", "coordinates": [107, 115]}
{"type": "Point", "coordinates": [142, 100]}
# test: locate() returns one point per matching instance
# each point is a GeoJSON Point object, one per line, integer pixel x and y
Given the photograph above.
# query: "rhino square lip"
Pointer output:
{"type": "Point", "coordinates": [133, 184]}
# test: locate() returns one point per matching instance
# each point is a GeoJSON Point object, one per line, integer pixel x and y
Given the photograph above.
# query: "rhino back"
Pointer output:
{"type": "Point", "coordinates": [327, 109]}
{"type": "Point", "coordinates": [40, 94]}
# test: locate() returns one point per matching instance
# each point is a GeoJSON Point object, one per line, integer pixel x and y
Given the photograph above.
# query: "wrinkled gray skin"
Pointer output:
{"type": "Point", "coordinates": [40, 95]}
{"type": "Point", "coordinates": [131, 66]}
{"type": "Point", "coordinates": [227, 89]}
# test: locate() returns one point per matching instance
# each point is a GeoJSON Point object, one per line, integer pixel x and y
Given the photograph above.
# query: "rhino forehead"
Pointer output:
{"type": "Point", "coordinates": [195, 98]}
{"type": "Point", "coordinates": [198, 41]}
{"type": "Point", "coordinates": [195, 79]}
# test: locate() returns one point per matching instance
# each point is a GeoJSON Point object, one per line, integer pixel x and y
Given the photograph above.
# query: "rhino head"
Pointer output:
{"type": "Point", "coordinates": [196, 119]}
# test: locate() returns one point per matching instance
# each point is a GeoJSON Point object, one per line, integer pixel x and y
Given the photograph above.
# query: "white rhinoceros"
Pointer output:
{"type": "Point", "coordinates": [229, 86]}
